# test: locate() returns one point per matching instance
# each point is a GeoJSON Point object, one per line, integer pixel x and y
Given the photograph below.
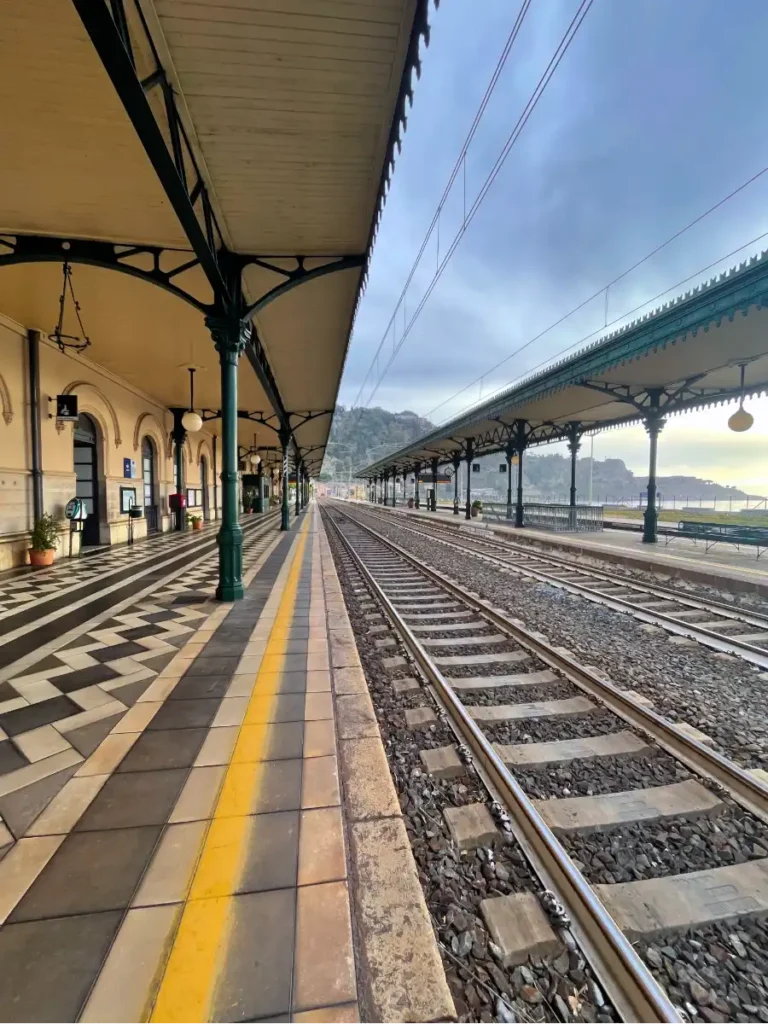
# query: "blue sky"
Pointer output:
{"type": "Point", "coordinates": [654, 115]}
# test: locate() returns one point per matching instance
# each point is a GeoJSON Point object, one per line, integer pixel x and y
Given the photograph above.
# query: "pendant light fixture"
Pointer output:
{"type": "Point", "coordinates": [741, 419]}
{"type": "Point", "coordinates": [191, 421]}
{"type": "Point", "coordinates": [69, 341]}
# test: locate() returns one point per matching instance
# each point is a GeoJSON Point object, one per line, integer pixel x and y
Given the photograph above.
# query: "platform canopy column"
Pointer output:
{"type": "Point", "coordinates": [456, 465]}
{"type": "Point", "coordinates": [285, 516]}
{"type": "Point", "coordinates": [519, 439]}
{"type": "Point", "coordinates": [574, 443]}
{"type": "Point", "coordinates": [178, 436]}
{"type": "Point", "coordinates": [654, 424]}
{"type": "Point", "coordinates": [260, 486]}
{"type": "Point", "coordinates": [509, 452]}
{"type": "Point", "coordinates": [470, 454]}
{"type": "Point", "coordinates": [297, 502]}
{"type": "Point", "coordinates": [394, 486]}
{"type": "Point", "coordinates": [230, 336]}
{"type": "Point", "coordinates": [435, 468]}
{"type": "Point", "coordinates": [416, 472]}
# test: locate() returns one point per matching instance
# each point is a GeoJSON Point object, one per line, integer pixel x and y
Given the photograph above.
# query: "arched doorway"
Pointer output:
{"type": "Point", "coordinates": [204, 486]}
{"type": "Point", "coordinates": [149, 476]}
{"type": "Point", "coordinates": [86, 461]}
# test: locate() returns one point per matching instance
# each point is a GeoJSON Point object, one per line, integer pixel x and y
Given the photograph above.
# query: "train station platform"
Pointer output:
{"type": "Point", "coordinates": [723, 566]}
{"type": "Point", "coordinates": [209, 830]}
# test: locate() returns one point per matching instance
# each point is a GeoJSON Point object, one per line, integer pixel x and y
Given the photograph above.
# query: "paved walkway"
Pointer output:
{"type": "Point", "coordinates": [194, 865]}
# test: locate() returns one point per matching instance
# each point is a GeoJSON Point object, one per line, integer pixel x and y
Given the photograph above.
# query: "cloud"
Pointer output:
{"type": "Point", "coordinates": [650, 119]}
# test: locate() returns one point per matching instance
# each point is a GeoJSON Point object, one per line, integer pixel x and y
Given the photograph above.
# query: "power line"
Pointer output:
{"type": "Point", "coordinates": [600, 291]}
{"type": "Point", "coordinates": [460, 162]}
{"type": "Point", "coordinates": [530, 106]}
{"type": "Point", "coordinates": [616, 320]}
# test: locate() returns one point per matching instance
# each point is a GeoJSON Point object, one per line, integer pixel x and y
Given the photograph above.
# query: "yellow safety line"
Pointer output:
{"type": "Point", "coordinates": [198, 953]}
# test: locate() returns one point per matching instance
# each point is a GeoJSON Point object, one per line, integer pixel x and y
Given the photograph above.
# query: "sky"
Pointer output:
{"type": "Point", "coordinates": [655, 114]}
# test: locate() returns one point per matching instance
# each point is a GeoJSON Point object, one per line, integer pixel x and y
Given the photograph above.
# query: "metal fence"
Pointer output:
{"type": "Point", "coordinates": [563, 518]}
{"type": "Point", "coordinates": [559, 518]}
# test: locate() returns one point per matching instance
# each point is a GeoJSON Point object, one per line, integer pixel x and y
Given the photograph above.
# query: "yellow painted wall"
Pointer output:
{"type": "Point", "coordinates": [123, 416]}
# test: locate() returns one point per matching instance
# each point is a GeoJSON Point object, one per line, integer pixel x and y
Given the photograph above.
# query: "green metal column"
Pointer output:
{"type": "Point", "coordinates": [416, 471]}
{"type": "Point", "coordinates": [520, 445]}
{"type": "Point", "coordinates": [456, 464]}
{"type": "Point", "coordinates": [470, 456]}
{"type": "Point", "coordinates": [574, 443]}
{"type": "Point", "coordinates": [435, 470]}
{"type": "Point", "coordinates": [285, 517]}
{"type": "Point", "coordinates": [654, 424]}
{"type": "Point", "coordinates": [509, 451]}
{"type": "Point", "coordinates": [298, 477]}
{"type": "Point", "coordinates": [260, 487]}
{"type": "Point", "coordinates": [179, 436]}
{"type": "Point", "coordinates": [230, 336]}
{"type": "Point", "coordinates": [394, 487]}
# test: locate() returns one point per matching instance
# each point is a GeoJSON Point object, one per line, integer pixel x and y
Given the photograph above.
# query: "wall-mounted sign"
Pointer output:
{"type": "Point", "coordinates": [475, 467]}
{"type": "Point", "coordinates": [127, 499]}
{"type": "Point", "coordinates": [503, 467]}
{"type": "Point", "coordinates": [129, 469]}
{"type": "Point", "coordinates": [66, 408]}
{"type": "Point", "coordinates": [75, 509]}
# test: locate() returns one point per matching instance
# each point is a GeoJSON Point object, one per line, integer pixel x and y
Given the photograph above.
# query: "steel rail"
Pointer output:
{"type": "Point", "coordinates": [709, 637]}
{"type": "Point", "coordinates": [629, 984]}
{"type": "Point", "coordinates": [744, 788]}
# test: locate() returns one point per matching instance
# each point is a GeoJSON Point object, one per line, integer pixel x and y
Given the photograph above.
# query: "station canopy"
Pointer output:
{"type": "Point", "coordinates": [688, 354]}
{"type": "Point", "coordinates": [203, 148]}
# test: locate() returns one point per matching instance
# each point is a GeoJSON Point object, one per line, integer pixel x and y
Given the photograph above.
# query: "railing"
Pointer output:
{"type": "Point", "coordinates": [559, 518]}
{"type": "Point", "coordinates": [563, 518]}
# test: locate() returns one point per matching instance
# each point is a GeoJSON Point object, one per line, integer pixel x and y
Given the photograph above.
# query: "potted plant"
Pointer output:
{"type": "Point", "coordinates": [196, 522]}
{"type": "Point", "coordinates": [476, 508]}
{"type": "Point", "coordinates": [44, 537]}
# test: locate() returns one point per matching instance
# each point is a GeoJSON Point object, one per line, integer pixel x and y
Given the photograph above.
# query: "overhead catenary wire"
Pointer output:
{"type": "Point", "coordinates": [612, 323]}
{"type": "Point", "coordinates": [604, 288]}
{"type": "Point", "coordinates": [460, 163]}
{"type": "Point", "coordinates": [530, 106]}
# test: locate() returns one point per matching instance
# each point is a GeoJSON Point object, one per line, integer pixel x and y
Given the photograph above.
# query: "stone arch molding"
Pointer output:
{"type": "Point", "coordinates": [204, 448]}
{"type": "Point", "coordinates": [5, 400]}
{"type": "Point", "coordinates": [111, 409]}
{"type": "Point", "coordinates": [163, 439]}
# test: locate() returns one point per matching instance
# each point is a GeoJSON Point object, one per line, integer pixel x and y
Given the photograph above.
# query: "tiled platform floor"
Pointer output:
{"type": "Point", "coordinates": [56, 710]}
{"type": "Point", "coordinates": [193, 866]}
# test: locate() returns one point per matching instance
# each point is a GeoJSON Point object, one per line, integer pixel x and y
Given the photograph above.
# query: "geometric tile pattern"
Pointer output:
{"type": "Point", "coordinates": [59, 709]}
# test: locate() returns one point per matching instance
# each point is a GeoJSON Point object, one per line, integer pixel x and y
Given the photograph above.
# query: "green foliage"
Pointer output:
{"type": "Point", "coordinates": [46, 532]}
{"type": "Point", "coordinates": [477, 504]}
{"type": "Point", "coordinates": [358, 436]}
{"type": "Point", "coordinates": [194, 519]}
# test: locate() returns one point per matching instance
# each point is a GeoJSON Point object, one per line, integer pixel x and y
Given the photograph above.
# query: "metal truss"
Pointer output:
{"type": "Point", "coordinates": [123, 41]}
{"type": "Point", "coordinates": [671, 398]}
{"type": "Point", "coordinates": [296, 276]}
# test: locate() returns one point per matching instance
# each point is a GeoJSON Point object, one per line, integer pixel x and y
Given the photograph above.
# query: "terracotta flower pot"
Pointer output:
{"type": "Point", "coordinates": [473, 512]}
{"type": "Point", "coordinates": [198, 525]}
{"type": "Point", "coordinates": [40, 558]}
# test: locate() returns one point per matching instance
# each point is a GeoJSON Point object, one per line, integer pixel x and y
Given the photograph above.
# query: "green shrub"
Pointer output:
{"type": "Point", "coordinates": [46, 533]}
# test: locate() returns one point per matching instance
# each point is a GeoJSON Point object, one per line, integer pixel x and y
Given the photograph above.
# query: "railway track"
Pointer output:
{"type": "Point", "coordinates": [581, 775]}
{"type": "Point", "coordinates": [715, 624]}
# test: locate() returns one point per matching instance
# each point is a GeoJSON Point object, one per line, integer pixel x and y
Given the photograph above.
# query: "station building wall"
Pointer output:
{"type": "Point", "coordinates": [123, 417]}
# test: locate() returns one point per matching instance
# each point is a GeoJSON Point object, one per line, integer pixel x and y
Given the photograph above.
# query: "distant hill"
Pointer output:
{"type": "Point", "coordinates": [361, 436]}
